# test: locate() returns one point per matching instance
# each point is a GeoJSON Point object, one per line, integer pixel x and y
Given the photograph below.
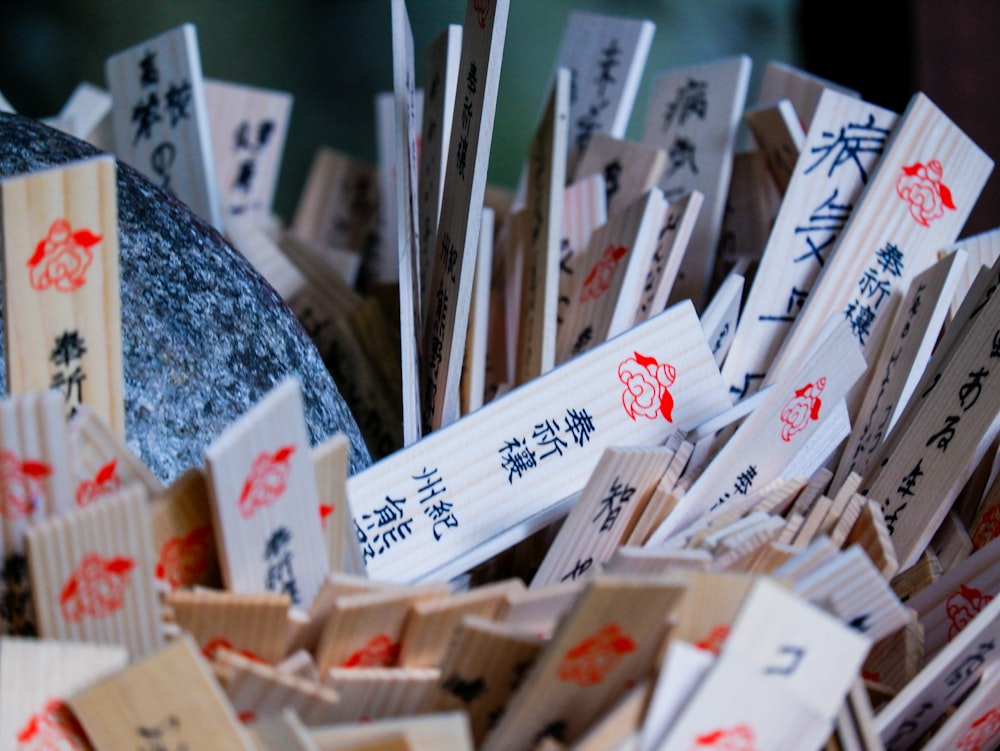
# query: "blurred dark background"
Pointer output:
{"type": "Point", "coordinates": [333, 57]}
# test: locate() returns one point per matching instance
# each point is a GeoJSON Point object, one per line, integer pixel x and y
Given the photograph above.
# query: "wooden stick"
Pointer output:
{"type": "Point", "coordinates": [781, 137]}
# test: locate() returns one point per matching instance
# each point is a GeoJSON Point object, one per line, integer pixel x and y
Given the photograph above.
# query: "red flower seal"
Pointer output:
{"type": "Point", "coordinates": [599, 279]}
{"type": "Point", "coordinates": [96, 589]}
{"type": "Point", "coordinates": [738, 738]}
{"type": "Point", "coordinates": [482, 11]}
{"type": "Point", "coordinates": [381, 651]}
{"type": "Point", "coordinates": [801, 408]}
{"type": "Point", "coordinates": [61, 259]}
{"type": "Point", "coordinates": [266, 481]}
{"type": "Point", "coordinates": [988, 527]}
{"type": "Point", "coordinates": [105, 482]}
{"type": "Point", "coordinates": [981, 732]}
{"type": "Point", "coordinates": [184, 559]}
{"type": "Point", "coordinates": [920, 186]}
{"type": "Point", "coordinates": [646, 382]}
{"type": "Point", "coordinates": [22, 485]}
{"type": "Point", "coordinates": [962, 606]}
{"type": "Point", "coordinates": [590, 661]}
{"type": "Point", "coordinates": [53, 729]}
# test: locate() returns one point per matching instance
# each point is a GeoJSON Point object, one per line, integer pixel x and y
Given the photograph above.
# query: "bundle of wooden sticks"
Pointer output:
{"type": "Point", "coordinates": [683, 444]}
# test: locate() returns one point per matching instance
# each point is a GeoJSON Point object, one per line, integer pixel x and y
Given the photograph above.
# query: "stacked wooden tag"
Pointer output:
{"type": "Point", "coordinates": [686, 443]}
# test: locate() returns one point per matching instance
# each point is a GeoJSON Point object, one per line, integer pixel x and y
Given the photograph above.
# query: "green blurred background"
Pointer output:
{"type": "Point", "coordinates": [333, 57]}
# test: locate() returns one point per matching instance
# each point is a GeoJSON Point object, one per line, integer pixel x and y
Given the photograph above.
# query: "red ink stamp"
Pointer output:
{"type": "Point", "coordinates": [988, 527]}
{"type": "Point", "coordinates": [54, 728]}
{"type": "Point", "coordinates": [590, 661]}
{"type": "Point", "coordinates": [62, 258]}
{"type": "Point", "coordinates": [482, 11]}
{"type": "Point", "coordinates": [801, 408]}
{"type": "Point", "coordinates": [184, 559]}
{"type": "Point", "coordinates": [266, 481]}
{"type": "Point", "coordinates": [105, 482]}
{"type": "Point", "coordinates": [22, 485]}
{"type": "Point", "coordinates": [325, 512]}
{"type": "Point", "coordinates": [715, 639]}
{"type": "Point", "coordinates": [920, 186]}
{"type": "Point", "coordinates": [646, 382]}
{"type": "Point", "coordinates": [598, 280]}
{"type": "Point", "coordinates": [97, 587]}
{"type": "Point", "coordinates": [737, 738]}
{"type": "Point", "coordinates": [981, 732]}
{"type": "Point", "coordinates": [962, 606]}
{"type": "Point", "coordinates": [381, 651]}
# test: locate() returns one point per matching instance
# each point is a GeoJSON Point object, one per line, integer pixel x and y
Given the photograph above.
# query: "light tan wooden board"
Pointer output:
{"type": "Point", "coordinates": [160, 119]}
{"type": "Point", "coordinates": [635, 561]}
{"type": "Point", "coordinates": [253, 625]}
{"type": "Point", "coordinates": [37, 675]}
{"type": "Point", "coordinates": [620, 723]}
{"type": "Point", "coordinates": [257, 690]}
{"type": "Point", "coordinates": [92, 575]}
{"type": "Point", "coordinates": [607, 510]}
{"type": "Point", "coordinates": [606, 55]}
{"type": "Point", "coordinates": [612, 271]}
{"type": "Point", "coordinates": [330, 462]}
{"type": "Point", "coordinates": [941, 683]}
{"type": "Point", "coordinates": [604, 645]}
{"type": "Point", "coordinates": [804, 90]}
{"type": "Point", "coordinates": [768, 440]}
{"type": "Point", "coordinates": [943, 418]}
{"type": "Point", "coordinates": [709, 606]}
{"type": "Point", "coordinates": [666, 495]}
{"type": "Point", "coordinates": [782, 675]}
{"type": "Point", "coordinates": [457, 239]}
{"type": "Point", "coordinates": [376, 693]}
{"type": "Point", "coordinates": [425, 733]}
{"type": "Point", "coordinates": [985, 527]}
{"type": "Point", "coordinates": [249, 126]}
{"type": "Point", "coordinates": [539, 611]}
{"type": "Point", "coordinates": [721, 316]}
{"type": "Point", "coordinates": [780, 136]}
{"type": "Point", "coordinates": [922, 574]}
{"type": "Point", "coordinates": [336, 295]}
{"type": "Point", "coordinates": [339, 202]}
{"type": "Point", "coordinates": [671, 244]}
{"type": "Point", "coordinates": [903, 210]}
{"type": "Point", "coordinates": [264, 505]}
{"type": "Point", "coordinates": [281, 731]}
{"type": "Point", "coordinates": [243, 230]}
{"type": "Point", "coordinates": [976, 723]}
{"type": "Point", "coordinates": [982, 250]}
{"type": "Point", "coordinates": [366, 629]}
{"type": "Point", "coordinates": [546, 181]}
{"type": "Point", "coordinates": [907, 349]}
{"type": "Point", "coordinates": [870, 531]}
{"type": "Point", "coordinates": [951, 543]}
{"type": "Point", "coordinates": [821, 195]}
{"type": "Point", "coordinates": [683, 668]}
{"type": "Point", "coordinates": [584, 210]}
{"type": "Point", "coordinates": [492, 489]}
{"type": "Point", "coordinates": [693, 115]}
{"type": "Point", "coordinates": [432, 622]}
{"type": "Point", "coordinates": [183, 537]}
{"type": "Point", "coordinates": [630, 169]}
{"type": "Point", "coordinates": [170, 696]}
{"type": "Point", "coordinates": [894, 661]}
{"type": "Point", "coordinates": [946, 606]}
{"type": "Point", "coordinates": [407, 238]}
{"type": "Point", "coordinates": [441, 63]}
{"type": "Point", "coordinates": [477, 343]}
{"type": "Point", "coordinates": [485, 663]}
{"type": "Point", "coordinates": [60, 260]}
{"type": "Point", "coordinates": [102, 462]}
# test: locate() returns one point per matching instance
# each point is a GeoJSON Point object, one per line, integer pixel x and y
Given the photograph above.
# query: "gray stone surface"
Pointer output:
{"type": "Point", "coordinates": [204, 336]}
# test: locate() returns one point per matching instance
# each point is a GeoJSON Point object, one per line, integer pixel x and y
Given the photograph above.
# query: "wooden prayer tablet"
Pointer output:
{"type": "Point", "coordinates": [60, 264]}
{"type": "Point", "coordinates": [976, 723]}
{"type": "Point", "coordinates": [721, 314]}
{"type": "Point", "coordinates": [248, 126]}
{"type": "Point", "coordinates": [430, 511]}
{"type": "Point", "coordinates": [630, 169]}
{"type": "Point", "coordinates": [36, 676]}
{"type": "Point", "coordinates": [822, 192]}
{"type": "Point", "coordinates": [903, 218]}
{"type": "Point", "coordinates": [283, 730]}
{"type": "Point", "coordinates": [693, 115]}
{"type": "Point", "coordinates": [424, 733]}
{"type": "Point", "coordinates": [981, 250]}
{"type": "Point", "coordinates": [264, 504]}
{"type": "Point", "coordinates": [170, 697]}
{"type": "Point", "coordinates": [457, 237]}
{"type": "Point", "coordinates": [243, 230]}
{"type": "Point", "coordinates": [379, 692]}
{"type": "Point", "coordinates": [330, 461]}
{"type": "Point", "coordinates": [539, 611]}
{"type": "Point", "coordinates": [584, 210]}
{"type": "Point", "coordinates": [546, 181]}
{"type": "Point", "coordinates": [92, 575]}
{"type": "Point", "coordinates": [780, 136]}
{"type": "Point", "coordinates": [477, 341]}
{"type": "Point", "coordinates": [682, 669]}
{"type": "Point", "coordinates": [619, 724]}
{"type": "Point", "coordinates": [595, 654]}
{"type": "Point", "coordinates": [160, 119]}
{"type": "Point", "coordinates": [804, 90]}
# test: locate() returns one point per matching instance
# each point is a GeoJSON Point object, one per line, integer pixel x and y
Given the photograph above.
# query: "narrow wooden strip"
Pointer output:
{"type": "Point", "coordinates": [780, 135]}
{"type": "Point", "coordinates": [425, 733]}
{"type": "Point", "coordinates": [584, 210]}
{"type": "Point", "coordinates": [477, 342]}
{"type": "Point", "coordinates": [683, 668]}
{"type": "Point", "coordinates": [976, 723]}
{"type": "Point", "coordinates": [330, 462]}
{"type": "Point", "coordinates": [183, 535]}
{"type": "Point", "coordinates": [982, 250]}
{"type": "Point", "coordinates": [951, 543]}
{"type": "Point", "coordinates": [619, 723]}
{"type": "Point", "coordinates": [848, 519]}
{"type": "Point", "coordinates": [895, 660]}
{"type": "Point", "coordinates": [377, 693]}
{"type": "Point", "coordinates": [803, 89]}
{"type": "Point", "coordinates": [871, 532]}
{"type": "Point", "coordinates": [284, 730]}
{"type": "Point", "coordinates": [539, 611]}
{"type": "Point", "coordinates": [630, 169]}
{"type": "Point", "coordinates": [663, 499]}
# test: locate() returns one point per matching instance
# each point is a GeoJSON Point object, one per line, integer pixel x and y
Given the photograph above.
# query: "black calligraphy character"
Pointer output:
{"type": "Point", "coordinates": [161, 160]}
{"type": "Point", "coordinates": [608, 62]}
{"type": "Point", "coordinates": [466, 691]}
{"type": "Point", "coordinates": [611, 506]}
{"type": "Point", "coordinates": [178, 101]}
{"type": "Point", "coordinates": [893, 518]}
{"type": "Point", "coordinates": [388, 514]}
{"type": "Point", "coordinates": [367, 550]}
{"type": "Point", "coordinates": [146, 114]}
{"type": "Point", "coordinates": [589, 123]}
{"type": "Point", "coordinates": [943, 437]}
{"type": "Point", "coordinates": [827, 218]}
{"type": "Point", "coordinates": [546, 436]}
{"type": "Point", "coordinates": [69, 346]}
{"type": "Point", "coordinates": [681, 153]}
{"type": "Point", "coordinates": [68, 382]}
{"type": "Point", "coordinates": [583, 340]}
{"type": "Point", "coordinates": [748, 378]}
{"type": "Point", "coordinates": [244, 176]}
{"type": "Point", "coordinates": [972, 389]}
{"type": "Point", "coordinates": [795, 653]}
{"type": "Point", "coordinates": [461, 154]}
{"type": "Point", "coordinates": [871, 286]}
{"type": "Point", "coordinates": [744, 481]}
{"type": "Point", "coordinates": [995, 351]}
{"type": "Point", "coordinates": [470, 79]}
{"type": "Point", "coordinates": [149, 73]}
{"type": "Point", "coordinates": [852, 140]}
{"type": "Point", "coordinates": [581, 567]}
{"type": "Point", "coordinates": [579, 424]}
{"type": "Point", "coordinates": [612, 172]}
{"type": "Point", "coordinates": [796, 299]}
{"type": "Point", "coordinates": [890, 258]}
{"type": "Point", "coordinates": [860, 317]}
{"type": "Point", "coordinates": [516, 458]}
{"type": "Point", "coordinates": [906, 486]}
{"type": "Point", "coordinates": [691, 99]}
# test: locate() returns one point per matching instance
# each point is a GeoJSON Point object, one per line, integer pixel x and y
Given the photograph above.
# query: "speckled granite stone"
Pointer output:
{"type": "Point", "coordinates": [204, 336]}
